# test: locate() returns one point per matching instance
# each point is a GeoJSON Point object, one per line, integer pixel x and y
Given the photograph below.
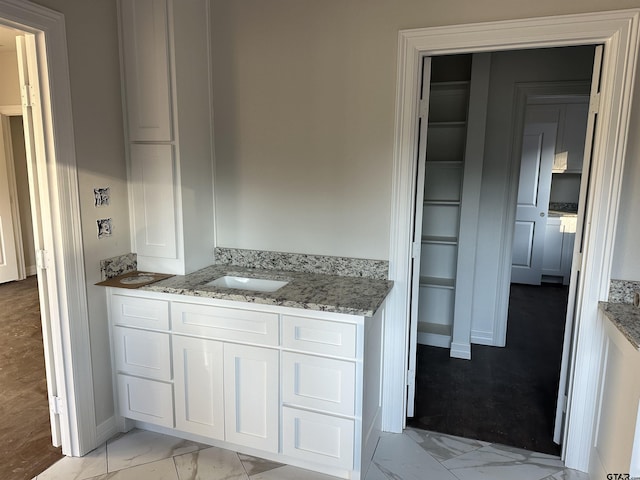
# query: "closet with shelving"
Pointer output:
{"type": "Point", "coordinates": [452, 109]}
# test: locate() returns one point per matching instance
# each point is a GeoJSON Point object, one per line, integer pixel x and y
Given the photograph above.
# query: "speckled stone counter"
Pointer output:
{"type": "Point", "coordinates": [313, 291]}
{"type": "Point", "coordinates": [626, 318]}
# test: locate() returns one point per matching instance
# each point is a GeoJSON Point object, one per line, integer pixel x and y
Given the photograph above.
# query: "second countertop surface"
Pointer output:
{"type": "Point", "coordinates": [312, 291]}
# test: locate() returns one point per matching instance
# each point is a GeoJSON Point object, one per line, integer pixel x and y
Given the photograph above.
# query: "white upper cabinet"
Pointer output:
{"type": "Point", "coordinates": [166, 59]}
{"type": "Point", "coordinates": [145, 55]}
{"type": "Point", "coordinates": [153, 200]}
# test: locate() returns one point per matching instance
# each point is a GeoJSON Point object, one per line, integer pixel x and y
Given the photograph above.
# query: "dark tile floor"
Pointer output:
{"type": "Point", "coordinates": [25, 435]}
{"type": "Point", "coordinates": [503, 395]}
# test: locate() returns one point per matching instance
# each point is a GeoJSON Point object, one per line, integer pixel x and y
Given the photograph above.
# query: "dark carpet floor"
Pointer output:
{"type": "Point", "coordinates": [503, 395]}
{"type": "Point", "coordinates": [25, 435]}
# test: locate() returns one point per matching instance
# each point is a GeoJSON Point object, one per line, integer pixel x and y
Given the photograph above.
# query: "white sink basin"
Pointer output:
{"type": "Point", "coordinates": [245, 283]}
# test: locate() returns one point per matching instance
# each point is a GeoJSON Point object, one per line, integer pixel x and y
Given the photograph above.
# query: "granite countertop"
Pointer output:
{"type": "Point", "coordinates": [626, 318]}
{"type": "Point", "coordinates": [562, 213]}
{"type": "Point", "coordinates": [312, 291]}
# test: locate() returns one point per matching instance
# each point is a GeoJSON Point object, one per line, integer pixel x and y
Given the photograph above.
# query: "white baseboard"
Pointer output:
{"type": "Point", "coordinates": [31, 270]}
{"type": "Point", "coordinates": [106, 430]}
{"type": "Point", "coordinates": [460, 350]}
{"type": "Point", "coordinates": [482, 338]}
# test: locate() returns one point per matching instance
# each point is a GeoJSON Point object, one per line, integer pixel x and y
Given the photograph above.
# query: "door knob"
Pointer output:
{"type": "Point", "coordinates": [542, 214]}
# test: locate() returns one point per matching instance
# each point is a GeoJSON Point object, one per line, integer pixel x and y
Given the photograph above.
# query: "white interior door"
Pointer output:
{"type": "Point", "coordinates": [9, 270]}
{"type": "Point", "coordinates": [576, 263]}
{"type": "Point", "coordinates": [538, 152]}
{"type": "Point", "coordinates": [32, 120]}
{"type": "Point", "coordinates": [423, 114]}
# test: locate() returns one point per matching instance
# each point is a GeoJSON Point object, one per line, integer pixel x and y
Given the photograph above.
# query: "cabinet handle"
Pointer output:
{"type": "Point", "coordinates": [542, 214]}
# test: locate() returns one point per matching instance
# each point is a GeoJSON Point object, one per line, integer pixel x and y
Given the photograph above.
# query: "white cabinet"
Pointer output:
{"type": "Point", "coordinates": [142, 353]}
{"type": "Point", "coordinates": [165, 59]}
{"type": "Point", "coordinates": [199, 391]}
{"type": "Point", "coordinates": [142, 359]}
{"type": "Point", "coordinates": [145, 400]}
{"type": "Point", "coordinates": [145, 29]}
{"type": "Point", "coordinates": [227, 391]}
{"type": "Point", "coordinates": [153, 200]}
{"type": "Point", "coordinates": [330, 394]}
{"type": "Point", "coordinates": [320, 383]}
{"type": "Point", "coordinates": [251, 396]}
{"type": "Point", "coordinates": [560, 233]}
{"type": "Point", "coordinates": [616, 443]}
{"type": "Point", "coordinates": [225, 323]}
{"type": "Point", "coordinates": [318, 438]}
{"type": "Point", "coordinates": [291, 385]}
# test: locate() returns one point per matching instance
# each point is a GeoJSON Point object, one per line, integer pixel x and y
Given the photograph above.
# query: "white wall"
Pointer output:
{"type": "Point", "coordinates": [97, 116]}
{"type": "Point", "coordinates": [508, 68]}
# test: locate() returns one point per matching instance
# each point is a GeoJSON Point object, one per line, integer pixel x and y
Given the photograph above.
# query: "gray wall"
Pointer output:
{"type": "Point", "coordinates": [304, 110]}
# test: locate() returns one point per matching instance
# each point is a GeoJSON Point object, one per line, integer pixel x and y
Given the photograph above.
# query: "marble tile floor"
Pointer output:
{"type": "Point", "coordinates": [412, 455]}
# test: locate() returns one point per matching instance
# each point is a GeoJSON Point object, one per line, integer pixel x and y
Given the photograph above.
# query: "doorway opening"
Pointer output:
{"type": "Point", "coordinates": [54, 197]}
{"type": "Point", "coordinates": [27, 435]}
{"type": "Point", "coordinates": [506, 388]}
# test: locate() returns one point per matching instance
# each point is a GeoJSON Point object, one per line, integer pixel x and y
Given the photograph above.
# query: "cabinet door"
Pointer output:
{"type": "Point", "coordinates": [198, 387]}
{"type": "Point", "coordinates": [145, 50]}
{"type": "Point", "coordinates": [251, 396]}
{"type": "Point", "coordinates": [154, 213]}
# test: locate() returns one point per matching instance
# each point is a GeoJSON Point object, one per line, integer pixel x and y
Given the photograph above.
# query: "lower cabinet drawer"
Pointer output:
{"type": "Point", "coordinates": [143, 353]}
{"type": "Point", "coordinates": [140, 312]}
{"type": "Point", "coordinates": [318, 438]}
{"type": "Point", "coordinates": [319, 336]}
{"type": "Point", "coordinates": [319, 383]}
{"type": "Point", "coordinates": [225, 323]}
{"type": "Point", "coordinates": [146, 400]}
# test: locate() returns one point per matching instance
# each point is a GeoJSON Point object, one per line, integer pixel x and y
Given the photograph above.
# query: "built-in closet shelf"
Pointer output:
{"type": "Point", "coordinates": [440, 240]}
{"type": "Point", "coordinates": [447, 203]}
{"type": "Point", "coordinates": [461, 123]}
{"type": "Point", "coordinates": [434, 334]}
{"type": "Point", "coordinates": [437, 328]}
{"type": "Point", "coordinates": [437, 282]}
{"type": "Point", "coordinates": [444, 163]}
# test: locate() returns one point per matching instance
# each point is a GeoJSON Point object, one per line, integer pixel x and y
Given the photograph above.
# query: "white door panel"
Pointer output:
{"type": "Point", "coordinates": [559, 431]}
{"type": "Point", "coordinates": [33, 134]}
{"type": "Point", "coordinates": [534, 188]}
{"type": "Point", "coordinates": [417, 235]}
{"type": "Point", "coordinates": [251, 396]}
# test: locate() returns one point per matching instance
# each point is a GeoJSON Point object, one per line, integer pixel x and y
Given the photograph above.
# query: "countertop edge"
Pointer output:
{"type": "Point", "coordinates": [265, 301]}
{"type": "Point", "coordinates": [626, 318]}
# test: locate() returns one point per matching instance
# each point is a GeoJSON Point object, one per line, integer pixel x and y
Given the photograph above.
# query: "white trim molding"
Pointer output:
{"type": "Point", "coordinates": [618, 31]}
{"type": "Point", "coordinates": [62, 228]}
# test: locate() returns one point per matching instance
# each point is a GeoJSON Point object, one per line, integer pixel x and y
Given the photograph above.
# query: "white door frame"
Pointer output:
{"type": "Point", "coordinates": [59, 210]}
{"type": "Point", "coordinates": [618, 31]}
